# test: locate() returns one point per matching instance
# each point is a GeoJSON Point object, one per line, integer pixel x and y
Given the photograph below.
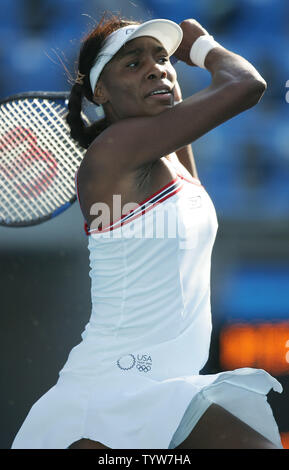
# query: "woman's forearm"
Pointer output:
{"type": "Point", "coordinates": [226, 66]}
{"type": "Point", "coordinates": [229, 71]}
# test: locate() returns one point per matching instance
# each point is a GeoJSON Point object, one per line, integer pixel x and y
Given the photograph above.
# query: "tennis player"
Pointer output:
{"type": "Point", "coordinates": [133, 382]}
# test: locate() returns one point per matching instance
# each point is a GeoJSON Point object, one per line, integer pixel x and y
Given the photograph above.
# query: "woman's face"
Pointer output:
{"type": "Point", "coordinates": [127, 84]}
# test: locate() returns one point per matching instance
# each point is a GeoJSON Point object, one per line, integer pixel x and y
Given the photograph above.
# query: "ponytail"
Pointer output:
{"type": "Point", "coordinates": [74, 118]}
{"type": "Point", "coordinates": [80, 130]}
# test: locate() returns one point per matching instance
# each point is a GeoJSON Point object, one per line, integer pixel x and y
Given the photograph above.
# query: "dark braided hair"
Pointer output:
{"type": "Point", "coordinates": [91, 45]}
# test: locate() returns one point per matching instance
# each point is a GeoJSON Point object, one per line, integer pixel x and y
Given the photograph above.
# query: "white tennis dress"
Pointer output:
{"type": "Point", "coordinates": [135, 375]}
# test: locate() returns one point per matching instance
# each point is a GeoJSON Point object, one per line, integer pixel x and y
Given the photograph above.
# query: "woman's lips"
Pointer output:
{"type": "Point", "coordinates": [161, 97]}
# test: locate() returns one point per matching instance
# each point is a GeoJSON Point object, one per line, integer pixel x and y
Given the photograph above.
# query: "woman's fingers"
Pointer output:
{"type": "Point", "coordinates": [192, 29]}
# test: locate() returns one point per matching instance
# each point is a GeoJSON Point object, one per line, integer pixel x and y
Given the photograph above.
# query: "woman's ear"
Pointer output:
{"type": "Point", "coordinates": [100, 95]}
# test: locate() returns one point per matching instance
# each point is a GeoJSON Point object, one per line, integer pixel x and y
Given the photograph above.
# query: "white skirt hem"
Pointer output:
{"type": "Point", "coordinates": [145, 414]}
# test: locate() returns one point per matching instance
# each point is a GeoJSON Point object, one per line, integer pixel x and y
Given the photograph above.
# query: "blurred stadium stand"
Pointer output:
{"type": "Point", "coordinates": [248, 161]}
{"type": "Point", "coordinates": [243, 164]}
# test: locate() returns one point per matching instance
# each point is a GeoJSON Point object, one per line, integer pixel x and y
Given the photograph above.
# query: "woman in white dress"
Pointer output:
{"type": "Point", "coordinates": [133, 382]}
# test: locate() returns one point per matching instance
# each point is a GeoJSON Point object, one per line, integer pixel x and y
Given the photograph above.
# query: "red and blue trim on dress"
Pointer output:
{"type": "Point", "coordinates": [167, 191]}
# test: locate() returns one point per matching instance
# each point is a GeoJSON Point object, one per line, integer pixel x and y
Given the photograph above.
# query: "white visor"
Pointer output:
{"type": "Point", "coordinates": [168, 33]}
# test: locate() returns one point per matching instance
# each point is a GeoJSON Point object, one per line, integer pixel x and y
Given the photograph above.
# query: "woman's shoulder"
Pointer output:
{"type": "Point", "coordinates": [131, 187]}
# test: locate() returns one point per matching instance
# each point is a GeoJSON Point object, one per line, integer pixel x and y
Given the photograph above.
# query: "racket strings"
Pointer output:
{"type": "Point", "coordinates": [59, 138]}
{"type": "Point", "coordinates": [15, 186]}
{"type": "Point", "coordinates": [8, 169]}
{"type": "Point", "coordinates": [38, 159]}
{"type": "Point", "coordinates": [55, 136]}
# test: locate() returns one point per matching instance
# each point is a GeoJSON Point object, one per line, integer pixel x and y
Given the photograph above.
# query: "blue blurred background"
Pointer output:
{"type": "Point", "coordinates": [243, 164]}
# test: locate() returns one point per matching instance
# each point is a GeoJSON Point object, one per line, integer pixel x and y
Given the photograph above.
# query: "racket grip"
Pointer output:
{"type": "Point", "coordinates": [173, 59]}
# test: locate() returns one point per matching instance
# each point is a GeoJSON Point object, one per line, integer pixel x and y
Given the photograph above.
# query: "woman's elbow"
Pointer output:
{"type": "Point", "coordinates": [252, 90]}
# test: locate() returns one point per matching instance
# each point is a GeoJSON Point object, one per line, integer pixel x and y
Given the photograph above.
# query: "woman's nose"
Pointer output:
{"type": "Point", "coordinates": [157, 71]}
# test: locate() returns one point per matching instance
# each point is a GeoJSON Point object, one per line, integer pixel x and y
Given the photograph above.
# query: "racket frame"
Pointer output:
{"type": "Point", "coordinates": [48, 95]}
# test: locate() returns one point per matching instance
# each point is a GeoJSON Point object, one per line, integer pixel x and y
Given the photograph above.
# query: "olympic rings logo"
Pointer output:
{"type": "Point", "coordinates": [143, 368]}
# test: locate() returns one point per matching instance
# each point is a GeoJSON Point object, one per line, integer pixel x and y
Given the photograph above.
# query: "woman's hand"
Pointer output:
{"type": "Point", "coordinates": [191, 31]}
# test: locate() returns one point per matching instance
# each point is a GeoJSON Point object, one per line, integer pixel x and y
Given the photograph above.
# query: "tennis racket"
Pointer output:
{"type": "Point", "coordinates": [38, 158]}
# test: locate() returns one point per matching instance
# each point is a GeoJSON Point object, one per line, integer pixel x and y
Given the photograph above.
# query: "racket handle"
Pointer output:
{"type": "Point", "coordinates": [173, 59]}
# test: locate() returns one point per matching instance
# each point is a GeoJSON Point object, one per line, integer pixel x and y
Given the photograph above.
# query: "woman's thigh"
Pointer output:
{"type": "Point", "coordinates": [216, 429]}
{"type": "Point", "coordinates": [219, 429]}
{"type": "Point", "coordinates": [87, 444]}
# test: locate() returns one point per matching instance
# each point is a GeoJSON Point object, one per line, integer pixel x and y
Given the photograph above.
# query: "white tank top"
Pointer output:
{"type": "Point", "coordinates": [150, 286]}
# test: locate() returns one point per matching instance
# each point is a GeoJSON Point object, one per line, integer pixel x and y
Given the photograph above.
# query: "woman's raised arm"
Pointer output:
{"type": "Point", "coordinates": [236, 86]}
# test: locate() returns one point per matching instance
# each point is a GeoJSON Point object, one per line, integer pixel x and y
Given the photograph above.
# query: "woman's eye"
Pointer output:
{"type": "Point", "coordinates": [132, 64]}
